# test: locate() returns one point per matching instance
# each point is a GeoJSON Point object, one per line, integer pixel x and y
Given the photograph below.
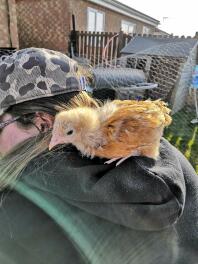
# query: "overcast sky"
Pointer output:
{"type": "Point", "coordinates": [179, 17]}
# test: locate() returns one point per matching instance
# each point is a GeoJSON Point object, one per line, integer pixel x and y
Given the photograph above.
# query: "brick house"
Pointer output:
{"type": "Point", "coordinates": [8, 24]}
{"type": "Point", "coordinates": [47, 23]}
{"type": "Point", "coordinates": [110, 16]}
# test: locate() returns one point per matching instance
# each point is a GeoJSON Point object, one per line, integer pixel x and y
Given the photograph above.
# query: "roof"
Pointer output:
{"type": "Point", "coordinates": [174, 47]}
{"type": "Point", "coordinates": [161, 32]}
{"type": "Point", "coordinates": [127, 11]}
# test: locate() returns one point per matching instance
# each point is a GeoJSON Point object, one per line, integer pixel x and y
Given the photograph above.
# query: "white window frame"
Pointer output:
{"type": "Point", "coordinates": [95, 11]}
{"type": "Point", "coordinates": [146, 30]}
{"type": "Point", "coordinates": [128, 23]}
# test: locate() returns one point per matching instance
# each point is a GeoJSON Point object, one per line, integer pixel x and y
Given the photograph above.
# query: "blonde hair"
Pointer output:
{"type": "Point", "coordinates": [13, 164]}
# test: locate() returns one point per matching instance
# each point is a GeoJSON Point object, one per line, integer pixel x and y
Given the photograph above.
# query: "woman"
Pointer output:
{"type": "Point", "coordinates": [57, 207]}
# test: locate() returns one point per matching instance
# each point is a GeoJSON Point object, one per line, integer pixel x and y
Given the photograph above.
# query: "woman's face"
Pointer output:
{"type": "Point", "coordinates": [12, 134]}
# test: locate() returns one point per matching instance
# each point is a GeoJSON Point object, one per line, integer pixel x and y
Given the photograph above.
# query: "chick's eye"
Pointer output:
{"type": "Point", "coordinates": [70, 132]}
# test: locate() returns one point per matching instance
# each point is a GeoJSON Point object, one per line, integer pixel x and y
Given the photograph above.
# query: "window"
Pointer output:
{"type": "Point", "coordinates": [146, 30]}
{"type": "Point", "coordinates": [128, 27]}
{"type": "Point", "coordinates": [95, 20]}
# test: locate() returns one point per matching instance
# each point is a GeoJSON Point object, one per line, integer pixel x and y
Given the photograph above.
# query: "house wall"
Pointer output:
{"type": "Point", "coordinates": [8, 30]}
{"type": "Point", "coordinates": [43, 23]}
{"type": "Point", "coordinates": [112, 18]}
{"type": "Point", "coordinates": [47, 23]}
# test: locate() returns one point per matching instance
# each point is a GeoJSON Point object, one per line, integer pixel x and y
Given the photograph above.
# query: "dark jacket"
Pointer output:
{"type": "Point", "coordinates": [68, 209]}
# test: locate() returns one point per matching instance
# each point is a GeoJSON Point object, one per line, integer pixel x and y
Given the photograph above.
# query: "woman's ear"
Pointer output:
{"type": "Point", "coordinates": [44, 121]}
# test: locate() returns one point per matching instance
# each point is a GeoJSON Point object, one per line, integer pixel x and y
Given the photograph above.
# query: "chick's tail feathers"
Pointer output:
{"type": "Point", "coordinates": [165, 111]}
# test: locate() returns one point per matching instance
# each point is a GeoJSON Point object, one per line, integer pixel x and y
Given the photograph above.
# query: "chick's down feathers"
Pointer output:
{"type": "Point", "coordinates": [115, 130]}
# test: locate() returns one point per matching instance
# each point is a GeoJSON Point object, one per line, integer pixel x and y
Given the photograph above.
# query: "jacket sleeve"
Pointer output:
{"type": "Point", "coordinates": [140, 193]}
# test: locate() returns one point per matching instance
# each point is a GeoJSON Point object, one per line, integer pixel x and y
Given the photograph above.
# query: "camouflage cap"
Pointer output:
{"type": "Point", "coordinates": [35, 73]}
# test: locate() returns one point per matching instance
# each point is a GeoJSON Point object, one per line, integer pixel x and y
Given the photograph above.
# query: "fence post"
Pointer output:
{"type": "Point", "coordinates": [120, 43]}
{"type": "Point", "coordinates": [73, 39]}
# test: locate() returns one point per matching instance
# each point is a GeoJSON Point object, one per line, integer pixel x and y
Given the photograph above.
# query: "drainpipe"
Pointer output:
{"type": "Point", "coordinates": [9, 22]}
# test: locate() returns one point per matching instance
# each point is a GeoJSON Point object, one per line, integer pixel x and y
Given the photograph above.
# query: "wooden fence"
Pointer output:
{"type": "Point", "coordinates": [100, 47]}
{"type": "Point", "coordinates": [104, 47]}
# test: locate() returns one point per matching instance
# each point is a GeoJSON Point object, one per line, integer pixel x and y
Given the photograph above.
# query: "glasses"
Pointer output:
{"type": "Point", "coordinates": [27, 119]}
{"type": "Point", "coordinates": [8, 122]}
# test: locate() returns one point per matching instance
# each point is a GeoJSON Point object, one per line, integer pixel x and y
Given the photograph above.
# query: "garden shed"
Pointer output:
{"type": "Point", "coordinates": [169, 62]}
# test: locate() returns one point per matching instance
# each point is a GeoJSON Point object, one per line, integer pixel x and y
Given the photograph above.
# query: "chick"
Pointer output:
{"type": "Point", "coordinates": [115, 130]}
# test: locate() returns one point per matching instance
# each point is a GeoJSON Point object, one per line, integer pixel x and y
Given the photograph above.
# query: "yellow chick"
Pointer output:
{"type": "Point", "coordinates": [115, 130]}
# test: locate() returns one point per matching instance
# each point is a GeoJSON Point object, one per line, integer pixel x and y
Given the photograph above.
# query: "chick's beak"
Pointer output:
{"type": "Point", "coordinates": [56, 140]}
